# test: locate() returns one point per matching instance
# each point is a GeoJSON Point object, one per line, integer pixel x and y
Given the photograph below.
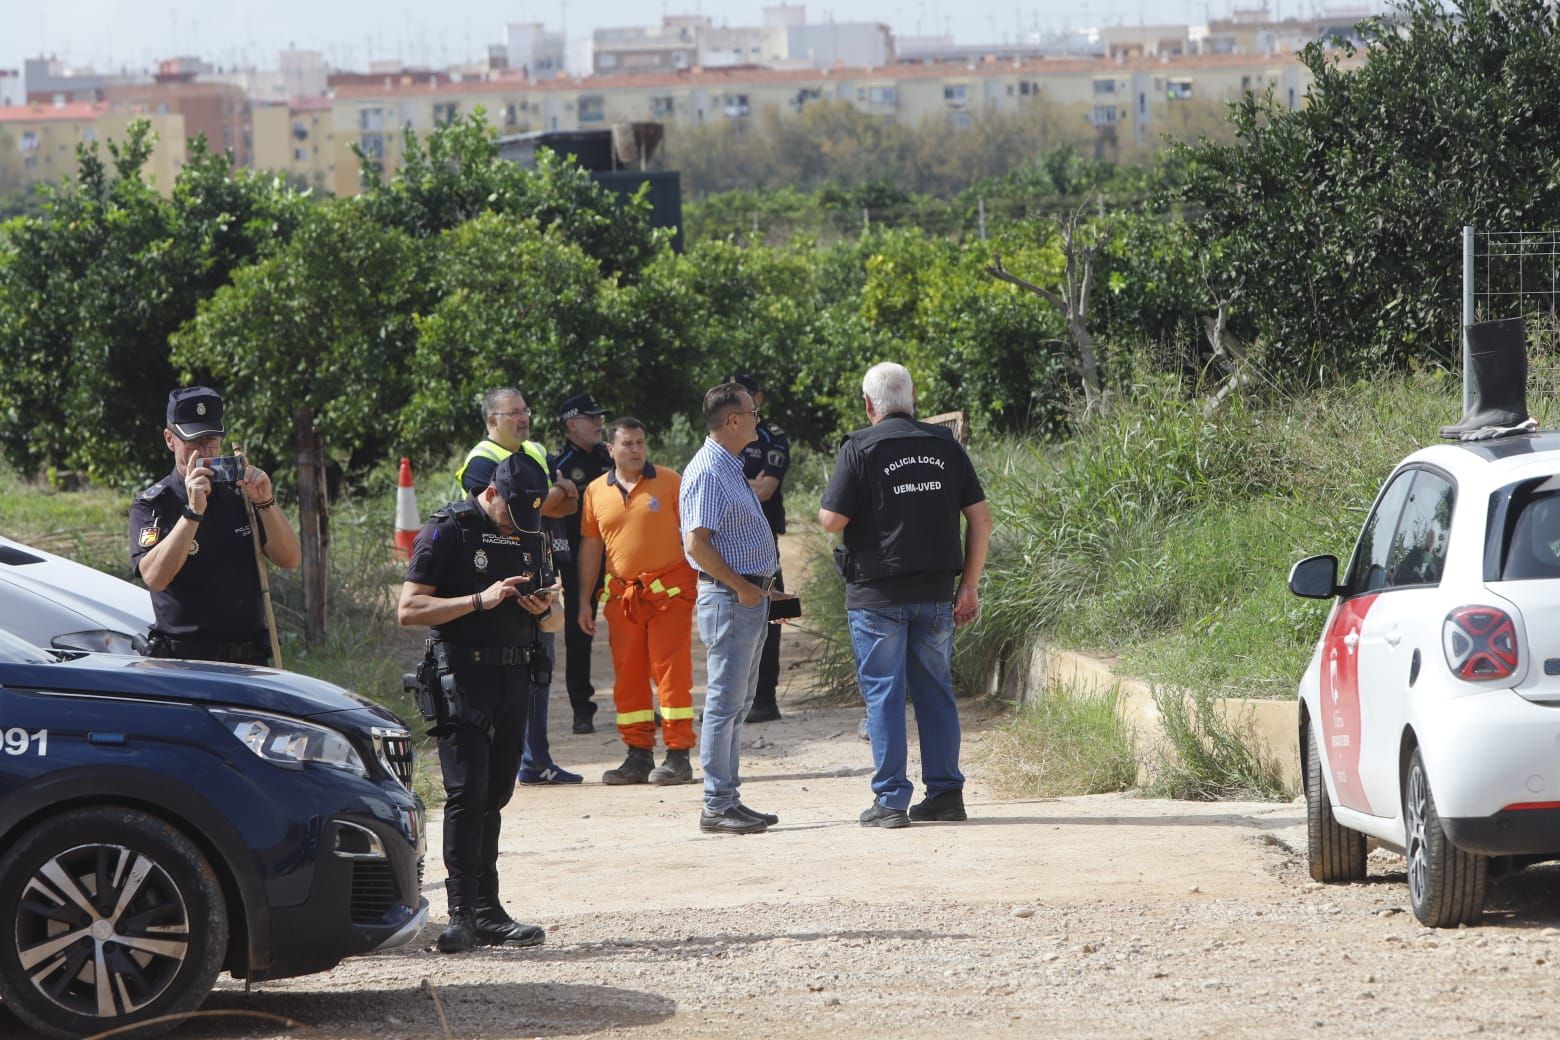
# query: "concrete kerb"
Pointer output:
{"type": "Point", "coordinates": [1271, 724]}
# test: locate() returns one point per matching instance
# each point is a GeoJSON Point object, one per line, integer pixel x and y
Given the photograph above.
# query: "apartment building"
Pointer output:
{"type": "Point", "coordinates": [38, 142]}
{"type": "Point", "coordinates": [217, 111]}
{"type": "Point", "coordinates": [297, 139]}
{"type": "Point", "coordinates": [1117, 103]}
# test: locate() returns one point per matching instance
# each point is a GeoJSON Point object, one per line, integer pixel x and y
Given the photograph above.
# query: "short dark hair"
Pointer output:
{"type": "Point", "coordinates": [623, 422]}
{"type": "Point", "coordinates": [719, 402]}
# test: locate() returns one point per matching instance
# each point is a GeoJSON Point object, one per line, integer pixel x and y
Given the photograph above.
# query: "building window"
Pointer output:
{"type": "Point", "coordinates": [662, 107]}
{"type": "Point", "coordinates": [1026, 88]}
{"type": "Point", "coordinates": [593, 108]}
{"type": "Point", "coordinates": [1104, 115]}
{"type": "Point", "coordinates": [736, 105]}
{"type": "Point", "coordinates": [300, 132]}
{"type": "Point", "coordinates": [29, 141]}
{"type": "Point", "coordinates": [1142, 102]}
{"type": "Point", "coordinates": [511, 115]}
{"type": "Point", "coordinates": [371, 120]}
{"type": "Point", "coordinates": [88, 134]}
{"type": "Point", "coordinates": [955, 95]}
{"type": "Point", "coordinates": [373, 146]}
{"type": "Point", "coordinates": [607, 60]}
{"type": "Point", "coordinates": [1179, 90]}
{"type": "Point", "coordinates": [300, 155]}
{"type": "Point", "coordinates": [1104, 86]}
{"type": "Point", "coordinates": [445, 112]}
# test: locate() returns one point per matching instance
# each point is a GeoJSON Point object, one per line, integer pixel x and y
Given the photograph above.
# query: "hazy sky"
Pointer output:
{"type": "Point", "coordinates": [110, 34]}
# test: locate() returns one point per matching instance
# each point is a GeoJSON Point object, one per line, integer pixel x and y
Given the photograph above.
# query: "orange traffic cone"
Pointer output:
{"type": "Point", "coordinates": [406, 514]}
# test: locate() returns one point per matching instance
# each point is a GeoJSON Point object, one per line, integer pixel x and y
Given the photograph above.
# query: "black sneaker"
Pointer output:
{"type": "Point", "coordinates": [947, 807]}
{"type": "Point", "coordinates": [880, 815]}
{"type": "Point", "coordinates": [461, 934]}
{"type": "Point", "coordinates": [732, 821]}
{"type": "Point", "coordinates": [584, 725]}
{"type": "Point", "coordinates": [763, 713]}
{"type": "Point", "coordinates": [770, 819]}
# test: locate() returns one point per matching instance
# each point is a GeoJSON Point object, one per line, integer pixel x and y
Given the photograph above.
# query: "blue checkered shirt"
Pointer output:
{"type": "Point", "coordinates": [716, 495]}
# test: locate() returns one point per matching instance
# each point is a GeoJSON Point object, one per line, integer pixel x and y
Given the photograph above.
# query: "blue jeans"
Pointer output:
{"type": "Point", "coordinates": [537, 754]}
{"type": "Point", "coordinates": [908, 649]}
{"type": "Point", "coordinates": [734, 636]}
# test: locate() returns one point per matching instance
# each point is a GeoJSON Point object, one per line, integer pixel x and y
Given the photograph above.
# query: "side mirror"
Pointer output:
{"type": "Point", "coordinates": [1315, 577]}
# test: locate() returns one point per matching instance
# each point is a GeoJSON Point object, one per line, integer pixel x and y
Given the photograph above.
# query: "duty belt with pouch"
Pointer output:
{"type": "Point", "coordinates": [439, 697]}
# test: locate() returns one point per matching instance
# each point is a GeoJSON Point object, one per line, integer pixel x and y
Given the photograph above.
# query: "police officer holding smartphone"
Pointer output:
{"type": "Point", "coordinates": [477, 577]}
{"type": "Point", "coordinates": [191, 541]}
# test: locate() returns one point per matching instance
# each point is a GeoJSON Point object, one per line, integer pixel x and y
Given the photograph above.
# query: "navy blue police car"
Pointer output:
{"type": "Point", "coordinates": [162, 821]}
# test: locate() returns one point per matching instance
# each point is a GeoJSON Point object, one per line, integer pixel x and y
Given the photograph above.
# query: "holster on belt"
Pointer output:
{"type": "Point", "coordinates": [648, 586]}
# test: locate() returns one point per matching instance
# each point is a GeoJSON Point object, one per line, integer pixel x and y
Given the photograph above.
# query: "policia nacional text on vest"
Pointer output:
{"type": "Point", "coordinates": [912, 469]}
{"type": "Point", "coordinates": [505, 636]}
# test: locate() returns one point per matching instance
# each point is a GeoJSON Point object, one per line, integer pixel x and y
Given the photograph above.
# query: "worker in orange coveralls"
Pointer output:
{"type": "Point", "coordinates": [630, 512]}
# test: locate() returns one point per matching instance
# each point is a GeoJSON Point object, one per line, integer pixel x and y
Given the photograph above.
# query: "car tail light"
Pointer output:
{"type": "Point", "coordinates": [1480, 644]}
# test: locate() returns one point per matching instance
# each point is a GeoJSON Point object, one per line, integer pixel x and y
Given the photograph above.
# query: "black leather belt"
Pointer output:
{"type": "Point", "coordinates": [764, 582]}
{"type": "Point", "coordinates": [243, 652]}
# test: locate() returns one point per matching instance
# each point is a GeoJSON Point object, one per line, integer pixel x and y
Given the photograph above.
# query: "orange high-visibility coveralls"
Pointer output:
{"type": "Point", "coordinates": [648, 602]}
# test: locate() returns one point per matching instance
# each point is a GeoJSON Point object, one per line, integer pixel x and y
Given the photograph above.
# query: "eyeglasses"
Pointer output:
{"type": "Point", "coordinates": [746, 411]}
{"type": "Point", "coordinates": [521, 413]}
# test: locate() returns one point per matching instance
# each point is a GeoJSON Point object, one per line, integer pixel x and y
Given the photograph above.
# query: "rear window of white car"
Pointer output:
{"type": "Point", "coordinates": [1524, 535]}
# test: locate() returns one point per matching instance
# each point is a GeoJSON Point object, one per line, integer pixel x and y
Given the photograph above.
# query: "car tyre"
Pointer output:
{"type": "Point", "coordinates": [1335, 853]}
{"type": "Point", "coordinates": [108, 917]}
{"type": "Point", "coordinates": [1445, 884]}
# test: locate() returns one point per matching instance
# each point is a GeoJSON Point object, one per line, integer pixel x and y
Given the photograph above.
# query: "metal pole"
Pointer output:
{"type": "Point", "coordinates": [1467, 314]}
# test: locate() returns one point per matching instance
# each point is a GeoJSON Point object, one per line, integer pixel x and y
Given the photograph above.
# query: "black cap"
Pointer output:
{"type": "Point", "coordinates": [523, 485]}
{"type": "Point", "coordinates": [748, 382]}
{"type": "Point", "coordinates": [195, 412]}
{"type": "Point", "coordinates": [578, 405]}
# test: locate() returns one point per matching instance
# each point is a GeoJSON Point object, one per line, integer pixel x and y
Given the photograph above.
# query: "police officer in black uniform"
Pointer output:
{"type": "Point", "coordinates": [899, 490]}
{"type": "Point", "coordinates": [479, 577]}
{"type": "Point", "coordinates": [191, 542]}
{"type": "Point", "coordinates": [764, 463]}
{"type": "Point", "coordinates": [581, 460]}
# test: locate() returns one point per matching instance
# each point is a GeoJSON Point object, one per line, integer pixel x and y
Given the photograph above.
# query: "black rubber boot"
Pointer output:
{"type": "Point", "coordinates": [1497, 378]}
{"type": "Point", "coordinates": [634, 770]}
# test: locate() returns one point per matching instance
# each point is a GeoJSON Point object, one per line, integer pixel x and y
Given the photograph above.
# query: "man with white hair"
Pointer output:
{"type": "Point", "coordinates": [898, 490]}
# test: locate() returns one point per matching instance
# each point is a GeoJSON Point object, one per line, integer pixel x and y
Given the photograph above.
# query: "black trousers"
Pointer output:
{"type": "Point", "coordinates": [769, 660]}
{"type": "Point", "coordinates": [576, 645]}
{"type": "Point", "coordinates": [479, 778]}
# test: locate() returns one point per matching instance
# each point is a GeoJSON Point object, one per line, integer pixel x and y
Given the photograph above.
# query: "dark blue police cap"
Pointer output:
{"type": "Point", "coordinates": [578, 405]}
{"type": "Point", "coordinates": [746, 381]}
{"type": "Point", "coordinates": [195, 412]}
{"type": "Point", "coordinates": [523, 485]}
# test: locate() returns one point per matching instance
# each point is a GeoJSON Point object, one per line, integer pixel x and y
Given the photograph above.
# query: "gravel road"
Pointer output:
{"type": "Point", "coordinates": [1102, 916]}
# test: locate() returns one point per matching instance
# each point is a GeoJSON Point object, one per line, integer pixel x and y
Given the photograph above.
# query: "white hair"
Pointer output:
{"type": "Point", "coordinates": [887, 385]}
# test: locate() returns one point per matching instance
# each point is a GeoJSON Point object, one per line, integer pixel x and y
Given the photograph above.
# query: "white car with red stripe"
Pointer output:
{"type": "Point", "coordinates": [1430, 711]}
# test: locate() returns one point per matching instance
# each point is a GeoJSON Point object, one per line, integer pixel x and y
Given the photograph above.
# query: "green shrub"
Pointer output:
{"type": "Point", "coordinates": [1063, 742]}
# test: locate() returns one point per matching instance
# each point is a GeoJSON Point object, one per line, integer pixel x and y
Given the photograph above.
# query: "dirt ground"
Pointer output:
{"type": "Point", "coordinates": [1102, 916]}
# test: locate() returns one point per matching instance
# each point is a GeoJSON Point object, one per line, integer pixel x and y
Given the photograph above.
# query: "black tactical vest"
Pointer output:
{"type": "Point", "coordinates": [483, 557]}
{"type": "Point", "coordinates": [915, 474]}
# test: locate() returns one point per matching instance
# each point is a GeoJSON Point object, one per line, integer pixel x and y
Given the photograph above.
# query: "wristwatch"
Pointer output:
{"type": "Point", "coordinates": [190, 514]}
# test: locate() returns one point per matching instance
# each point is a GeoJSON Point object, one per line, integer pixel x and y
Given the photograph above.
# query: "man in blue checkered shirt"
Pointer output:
{"type": "Point", "coordinates": [727, 540]}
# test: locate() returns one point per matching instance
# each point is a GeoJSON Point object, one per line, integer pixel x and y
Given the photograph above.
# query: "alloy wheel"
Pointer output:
{"type": "Point", "coordinates": [1415, 810]}
{"type": "Point", "coordinates": [101, 930]}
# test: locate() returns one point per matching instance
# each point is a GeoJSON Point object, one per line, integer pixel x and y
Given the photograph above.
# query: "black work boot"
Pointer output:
{"type": "Point", "coordinates": [461, 934]}
{"type": "Point", "coordinates": [635, 769]}
{"type": "Point", "coordinates": [675, 770]}
{"type": "Point", "coordinates": [947, 807]}
{"type": "Point", "coordinates": [763, 711]}
{"type": "Point", "coordinates": [494, 927]}
{"type": "Point", "coordinates": [1497, 380]}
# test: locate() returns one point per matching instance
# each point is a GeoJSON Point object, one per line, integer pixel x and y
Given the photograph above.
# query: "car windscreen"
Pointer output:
{"type": "Point", "coordinates": [1523, 541]}
{"type": "Point", "coordinates": [18, 651]}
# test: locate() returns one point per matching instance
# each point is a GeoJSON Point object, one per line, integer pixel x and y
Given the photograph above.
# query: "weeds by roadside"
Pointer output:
{"type": "Point", "coordinates": [1064, 743]}
{"type": "Point", "coordinates": [1211, 756]}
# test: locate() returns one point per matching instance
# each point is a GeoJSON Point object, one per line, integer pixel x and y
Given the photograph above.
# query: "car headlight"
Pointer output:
{"type": "Point", "coordinates": [290, 742]}
{"type": "Point", "coordinates": [98, 641]}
